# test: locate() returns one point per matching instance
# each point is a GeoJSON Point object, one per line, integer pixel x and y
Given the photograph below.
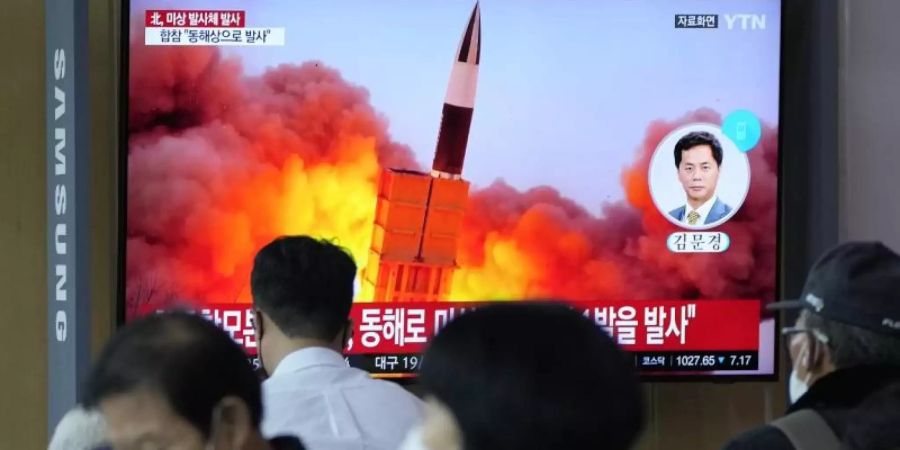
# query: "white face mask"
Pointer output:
{"type": "Point", "coordinates": [438, 430]}
{"type": "Point", "coordinates": [797, 387]}
{"type": "Point", "coordinates": [414, 440]}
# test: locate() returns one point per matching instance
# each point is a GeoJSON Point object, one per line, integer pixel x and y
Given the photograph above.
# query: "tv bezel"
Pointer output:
{"type": "Point", "coordinates": [807, 218]}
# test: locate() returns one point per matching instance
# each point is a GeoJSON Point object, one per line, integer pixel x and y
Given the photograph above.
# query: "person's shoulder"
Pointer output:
{"type": "Point", "coordinates": [765, 437]}
{"type": "Point", "coordinates": [677, 212]}
{"type": "Point", "coordinates": [79, 428]}
{"type": "Point", "coordinates": [392, 388]}
{"type": "Point", "coordinates": [718, 211]}
{"type": "Point", "coordinates": [391, 392]}
{"type": "Point", "coordinates": [724, 207]}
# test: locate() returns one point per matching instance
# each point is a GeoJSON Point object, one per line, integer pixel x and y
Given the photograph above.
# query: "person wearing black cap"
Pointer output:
{"type": "Point", "coordinates": [844, 347]}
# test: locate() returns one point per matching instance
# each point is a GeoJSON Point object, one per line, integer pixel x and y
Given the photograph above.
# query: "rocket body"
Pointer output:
{"type": "Point", "coordinates": [418, 216]}
{"type": "Point", "coordinates": [459, 104]}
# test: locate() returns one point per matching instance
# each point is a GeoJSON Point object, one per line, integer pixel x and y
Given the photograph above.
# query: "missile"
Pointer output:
{"type": "Point", "coordinates": [456, 117]}
{"type": "Point", "coordinates": [417, 229]}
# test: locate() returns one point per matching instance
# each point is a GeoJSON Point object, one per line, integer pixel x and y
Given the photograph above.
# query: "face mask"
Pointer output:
{"type": "Point", "coordinates": [797, 387]}
{"type": "Point", "coordinates": [414, 440]}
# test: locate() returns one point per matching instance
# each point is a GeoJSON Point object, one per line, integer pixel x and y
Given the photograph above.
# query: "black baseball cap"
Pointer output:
{"type": "Point", "coordinates": [857, 283]}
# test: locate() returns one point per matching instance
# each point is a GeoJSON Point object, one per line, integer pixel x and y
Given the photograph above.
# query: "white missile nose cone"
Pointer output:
{"type": "Point", "coordinates": [470, 45]}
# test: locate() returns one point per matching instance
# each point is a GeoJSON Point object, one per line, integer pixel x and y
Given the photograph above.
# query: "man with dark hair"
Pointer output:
{"type": "Point", "coordinates": [177, 381]}
{"type": "Point", "coordinates": [527, 377]}
{"type": "Point", "coordinates": [698, 157]}
{"type": "Point", "coordinates": [302, 291]}
{"type": "Point", "coordinates": [845, 346]}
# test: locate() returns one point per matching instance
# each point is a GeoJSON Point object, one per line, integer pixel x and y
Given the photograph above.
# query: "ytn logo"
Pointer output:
{"type": "Point", "coordinates": [751, 22]}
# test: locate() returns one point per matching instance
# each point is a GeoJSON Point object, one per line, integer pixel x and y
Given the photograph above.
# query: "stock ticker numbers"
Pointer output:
{"type": "Point", "coordinates": [742, 361]}
{"type": "Point", "coordinates": [696, 361]}
{"type": "Point", "coordinates": [705, 361]}
{"type": "Point", "coordinates": [408, 364]}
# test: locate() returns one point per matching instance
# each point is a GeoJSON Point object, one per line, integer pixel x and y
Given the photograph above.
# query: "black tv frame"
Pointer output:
{"type": "Point", "coordinates": [807, 158]}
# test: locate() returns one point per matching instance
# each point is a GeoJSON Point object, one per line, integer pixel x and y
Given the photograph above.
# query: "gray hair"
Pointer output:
{"type": "Point", "coordinates": [79, 429]}
{"type": "Point", "coordinates": [851, 346]}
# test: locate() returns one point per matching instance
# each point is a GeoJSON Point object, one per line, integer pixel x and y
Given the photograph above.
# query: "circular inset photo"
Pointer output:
{"type": "Point", "coordinates": [698, 177]}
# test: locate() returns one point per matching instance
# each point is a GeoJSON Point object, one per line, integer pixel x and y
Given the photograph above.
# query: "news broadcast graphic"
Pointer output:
{"type": "Point", "coordinates": [211, 27]}
{"type": "Point", "coordinates": [466, 153]}
{"type": "Point", "coordinates": [657, 333]}
{"type": "Point", "coordinates": [685, 170]}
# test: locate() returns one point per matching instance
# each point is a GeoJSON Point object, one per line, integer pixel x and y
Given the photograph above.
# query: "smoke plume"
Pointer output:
{"type": "Point", "coordinates": [540, 244]}
{"type": "Point", "coordinates": [221, 162]}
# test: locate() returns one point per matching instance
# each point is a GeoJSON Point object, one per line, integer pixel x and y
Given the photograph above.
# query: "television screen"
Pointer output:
{"type": "Point", "coordinates": [618, 155]}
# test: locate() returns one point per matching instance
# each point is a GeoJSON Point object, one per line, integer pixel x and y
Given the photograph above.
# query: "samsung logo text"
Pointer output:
{"type": "Point", "coordinates": [60, 167]}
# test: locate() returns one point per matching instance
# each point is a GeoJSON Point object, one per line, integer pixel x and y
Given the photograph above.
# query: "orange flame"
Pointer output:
{"type": "Point", "coordinates": [215, 173]}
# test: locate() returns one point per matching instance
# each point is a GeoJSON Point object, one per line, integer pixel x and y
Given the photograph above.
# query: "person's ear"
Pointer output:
{"type": "Point", "coordinates": [440, 429]}
{"type": "Point", "coordinates": [258, 325]}
{"type": "Point", "coordinates": [232, 424]}
{"type": "Point", "coordinates": [819, 357]}
{"type": "Point", "coordinates": [347, 339]}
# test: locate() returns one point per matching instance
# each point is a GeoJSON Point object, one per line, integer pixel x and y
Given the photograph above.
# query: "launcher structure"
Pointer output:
{"type": "Point", "coordinates": [418, 215]}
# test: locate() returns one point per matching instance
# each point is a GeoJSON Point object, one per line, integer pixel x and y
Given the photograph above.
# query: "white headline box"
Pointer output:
{"type": "Point", "coordinates": [216, 37]}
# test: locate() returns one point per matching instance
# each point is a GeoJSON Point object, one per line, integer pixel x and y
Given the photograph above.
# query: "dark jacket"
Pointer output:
{"type": "Point", "coordinates": [286, 443]}
{"type": "Point", "coordinates": [833, 396]}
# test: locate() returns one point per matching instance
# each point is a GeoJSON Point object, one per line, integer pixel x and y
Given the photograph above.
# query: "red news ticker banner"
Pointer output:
{"type": "Point", "coordinates": [669, 325]}
{"type": "Point", "coordinates": [665, 325]}
{"type": "Point", "coordinates": [170, 18]}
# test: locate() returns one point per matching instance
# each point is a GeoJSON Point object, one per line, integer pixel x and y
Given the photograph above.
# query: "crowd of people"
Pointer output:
{"type": "Point", "coordinates": [176, 381]}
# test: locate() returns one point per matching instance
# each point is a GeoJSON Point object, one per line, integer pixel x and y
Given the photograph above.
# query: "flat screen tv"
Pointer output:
{"type": "Point", "coordinates": [618, 155]}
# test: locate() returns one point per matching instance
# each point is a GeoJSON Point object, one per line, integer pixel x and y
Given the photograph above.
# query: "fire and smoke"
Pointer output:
{"type": "Point", "coordinates": [506, 252]}
{"type": "Point", "coordinates": [220, 163]}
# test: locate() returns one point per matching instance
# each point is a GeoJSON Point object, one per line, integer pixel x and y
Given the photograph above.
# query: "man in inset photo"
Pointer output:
{"type": "Point", "coordinates": [698, 157]}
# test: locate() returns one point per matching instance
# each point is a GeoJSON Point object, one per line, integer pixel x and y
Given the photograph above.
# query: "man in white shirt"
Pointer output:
{"type": "Point", "coordinates": [79, 429]}
{"type": "Point", "coordinates": [302, 293]}
{"type": "Point", "coordinates": [698, 157]}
